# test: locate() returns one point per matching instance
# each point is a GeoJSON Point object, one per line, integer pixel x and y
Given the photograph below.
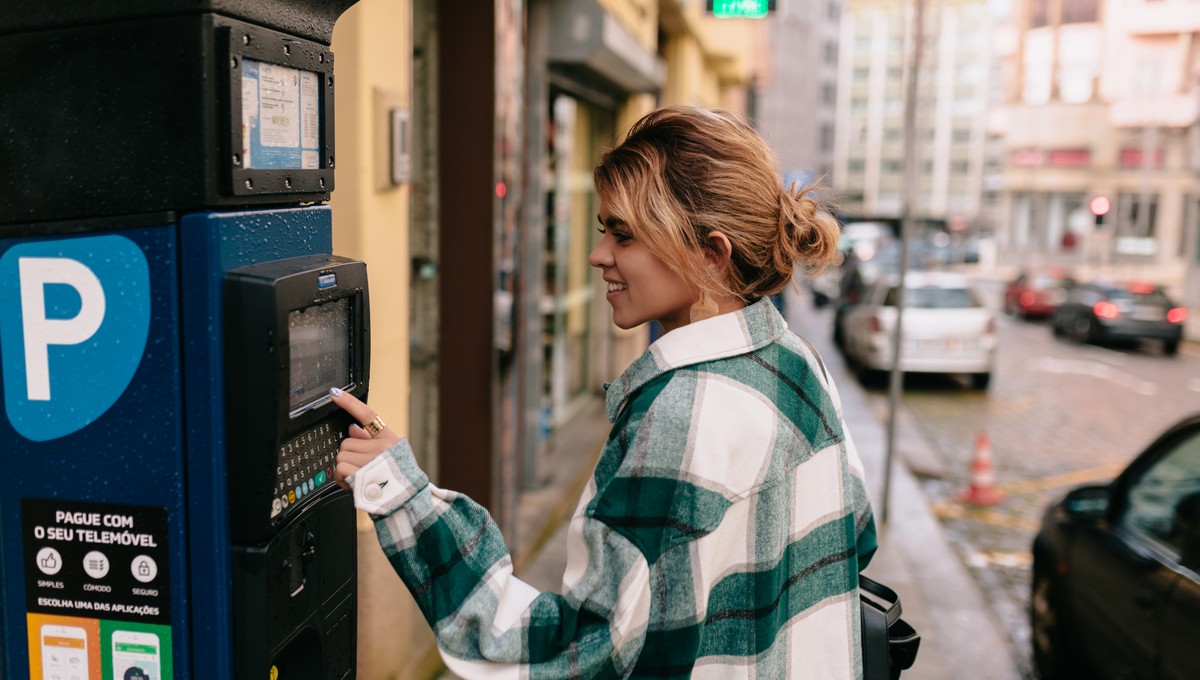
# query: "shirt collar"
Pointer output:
{"type": "Point", "coordinates": [745, 330]}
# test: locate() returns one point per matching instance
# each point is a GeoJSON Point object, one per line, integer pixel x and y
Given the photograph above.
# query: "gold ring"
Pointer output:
{"type": "Point", "coordinates": [375, 426]}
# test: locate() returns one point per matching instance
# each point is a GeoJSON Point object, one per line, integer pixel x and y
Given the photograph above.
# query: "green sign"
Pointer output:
{"type": "Point", "coordinates": [740, 9]}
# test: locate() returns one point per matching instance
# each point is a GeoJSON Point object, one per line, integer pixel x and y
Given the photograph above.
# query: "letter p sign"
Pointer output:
{"type": "Point", "coordinates": [72, 345]}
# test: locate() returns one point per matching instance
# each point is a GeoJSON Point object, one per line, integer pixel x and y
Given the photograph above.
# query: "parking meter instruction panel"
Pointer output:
{"type": "Point", "coordinates": [296, 328]}
{"type": "Point", "coordinates": [97, 590]}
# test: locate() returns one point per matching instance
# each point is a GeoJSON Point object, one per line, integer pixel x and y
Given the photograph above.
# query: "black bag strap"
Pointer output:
{"type": "Point", "coordinates": [884, 596]}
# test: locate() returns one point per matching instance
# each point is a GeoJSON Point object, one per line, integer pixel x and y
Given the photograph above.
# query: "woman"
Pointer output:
{"type": "Point", "coordinates": [726, 522]}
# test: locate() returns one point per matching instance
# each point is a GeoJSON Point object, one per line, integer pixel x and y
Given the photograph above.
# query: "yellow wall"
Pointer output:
{"type": "Point", "coordinates": [372, 62]}
{"type": "Point", "coordinates": [372, 65]}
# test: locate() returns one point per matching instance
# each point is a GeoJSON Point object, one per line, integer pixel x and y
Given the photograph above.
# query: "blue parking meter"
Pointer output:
{"type": "Point", "coordinates": [175, 317]}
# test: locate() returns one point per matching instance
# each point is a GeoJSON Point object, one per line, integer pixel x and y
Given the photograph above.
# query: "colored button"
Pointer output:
{"type": "Point", "coordinates": [321, 478]}
{"type": "Point", "coordinates": [373, 492]}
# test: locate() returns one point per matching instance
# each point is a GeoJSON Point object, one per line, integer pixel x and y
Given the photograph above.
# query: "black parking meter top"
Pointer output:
{"type": "Point", "coordinates": [309, 19]}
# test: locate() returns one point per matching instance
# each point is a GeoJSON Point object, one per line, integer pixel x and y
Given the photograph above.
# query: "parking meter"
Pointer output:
{"type": "Point", "coordinates": [175, 317]}
{"type": "Point", "coordinates": [294, 328]}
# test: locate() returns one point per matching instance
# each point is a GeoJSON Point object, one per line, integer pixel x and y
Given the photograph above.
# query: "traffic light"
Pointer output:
{"type": "Point", "coordinates": [1100, 205]}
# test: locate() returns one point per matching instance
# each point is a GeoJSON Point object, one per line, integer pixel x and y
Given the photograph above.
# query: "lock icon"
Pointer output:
{"type": "Point", "coordinates": [144, 568]}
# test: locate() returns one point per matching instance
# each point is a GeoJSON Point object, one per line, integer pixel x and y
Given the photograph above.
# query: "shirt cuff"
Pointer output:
{"type": "Point", "coordinates": [388, 482]}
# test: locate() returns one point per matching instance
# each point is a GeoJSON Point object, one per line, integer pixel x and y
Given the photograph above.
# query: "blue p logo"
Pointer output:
{"type": "Point", "coordinates": [73, 343]}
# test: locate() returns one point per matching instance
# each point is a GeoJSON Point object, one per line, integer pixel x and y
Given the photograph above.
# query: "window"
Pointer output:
{"type": "Point", "coordinates": [1079, 11]}
{"type": "Point", "coordinates": [1163, 505]}
{"type": "Point", "coordinates": [828, 93]}
{"type": "Point", "coordinates": [826, 138]}
{"type": "Point", "coordinates": [1130, 220]}
{"type": "Point", "coordinates": [1039, 13]}
{"type": "Point", "coordinates": [933, 298]}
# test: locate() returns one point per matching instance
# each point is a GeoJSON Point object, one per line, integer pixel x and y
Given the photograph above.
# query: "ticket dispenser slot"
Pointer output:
{"type": "Point", "coordinates": [294, 329]}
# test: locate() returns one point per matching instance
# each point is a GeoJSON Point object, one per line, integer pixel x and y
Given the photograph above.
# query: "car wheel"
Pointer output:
{"type": "Point", "coordinates": [1051, 655]}
{"type": "Point", "coordinates": [1056, 327]}
{"type": "Point", "coordinates": [1081, 329]}
{"type": "Point", "coordinates": [980, 381]}
{"type": "Point", "coordinates": [1170, 347]}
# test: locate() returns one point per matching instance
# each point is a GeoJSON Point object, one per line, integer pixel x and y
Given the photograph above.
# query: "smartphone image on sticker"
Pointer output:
{"type": "Point", "coordinates": [64, 653]}
{"type": "Point", "coordinates": [135, 656]}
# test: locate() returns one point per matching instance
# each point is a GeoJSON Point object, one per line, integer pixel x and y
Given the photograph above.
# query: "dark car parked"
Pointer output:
{"type": "Point", "coordinates": [1116, 590]}
{"type": "Point", "coordinates": [1107, 312]}
{"type": "Point", "coordinates": [1037, 290]}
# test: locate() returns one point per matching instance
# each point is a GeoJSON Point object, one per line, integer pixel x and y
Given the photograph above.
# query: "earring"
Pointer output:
{"type": "Point", "coordinates": [704, 308]}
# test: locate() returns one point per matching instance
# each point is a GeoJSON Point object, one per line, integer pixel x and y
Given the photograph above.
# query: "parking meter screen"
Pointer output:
{"type": "Point", "coordinates": [319, 340]}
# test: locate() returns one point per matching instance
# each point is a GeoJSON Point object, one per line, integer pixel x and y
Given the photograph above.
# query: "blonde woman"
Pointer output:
{"type": "Point", "coordinates": [726, 522]}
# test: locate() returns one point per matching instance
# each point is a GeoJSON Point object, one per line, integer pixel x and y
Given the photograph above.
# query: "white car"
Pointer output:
{"type": "Point", "coordinates": [946, 328]}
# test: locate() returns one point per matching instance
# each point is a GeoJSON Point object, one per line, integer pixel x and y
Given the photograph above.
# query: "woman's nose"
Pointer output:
{"type": "Point", "coordinates": [600, 256]}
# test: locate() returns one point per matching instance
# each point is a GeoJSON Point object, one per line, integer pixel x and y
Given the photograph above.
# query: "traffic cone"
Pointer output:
{"type": "Point", "coordinates": [982, 490]}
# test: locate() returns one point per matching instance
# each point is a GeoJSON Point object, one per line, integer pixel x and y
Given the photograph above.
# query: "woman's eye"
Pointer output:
{"type": "Point", "coordinates": [620, 236]}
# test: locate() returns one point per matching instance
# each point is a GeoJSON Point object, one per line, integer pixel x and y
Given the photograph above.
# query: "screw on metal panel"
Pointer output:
{"type": "Point", "coordinates": [249, 184]}
{"type": "Point", "coordinates": [233, 62]}
{"type": "Point", "coordinates": [322, 182]}
{"type": "Point", "coordinates": [330, 81]}
{"type": "Point", "coordinates": [321, 57]}
{"type": "Point", "coordinates": [287, 182]}
{"type": "Point", "coordinates": [237, 159]}
{"type": "Point", "coordinates": [246, 39]}
{"type": "Point", "coordinates": [330, 163]}
{"type": "Point", "coordinates": [287, 49]}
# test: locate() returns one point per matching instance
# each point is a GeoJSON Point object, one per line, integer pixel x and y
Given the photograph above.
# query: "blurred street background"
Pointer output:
{"type": "Point", "coordinates": [994, 135]}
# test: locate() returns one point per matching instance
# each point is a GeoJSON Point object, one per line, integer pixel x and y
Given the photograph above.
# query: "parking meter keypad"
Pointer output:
{"type": "Point", "coordinates": [305, 464]}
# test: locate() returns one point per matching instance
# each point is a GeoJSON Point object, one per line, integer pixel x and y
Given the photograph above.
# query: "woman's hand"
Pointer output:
{"type": "Point", "coordinates": [361, 448]}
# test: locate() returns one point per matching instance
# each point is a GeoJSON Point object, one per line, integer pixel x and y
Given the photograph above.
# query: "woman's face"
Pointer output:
{"type": "Point", "coordinates": [641, 287]}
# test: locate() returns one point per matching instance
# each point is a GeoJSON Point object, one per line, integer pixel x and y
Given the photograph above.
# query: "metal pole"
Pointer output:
{"type": "Point", "coordinates": [912, 185]}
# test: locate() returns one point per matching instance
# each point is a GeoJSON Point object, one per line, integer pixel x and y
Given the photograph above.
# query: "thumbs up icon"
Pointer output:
{"type": "Point", "coordinates": [49, 562]}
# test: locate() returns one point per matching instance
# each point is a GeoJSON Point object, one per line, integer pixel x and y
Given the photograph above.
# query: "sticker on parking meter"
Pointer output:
{"type": "Point", "coordinates": [96, 560]}
{"type": "Point", "coordinates": [281, 117]}
{"type": "Point", "coordinates": [72, 340]}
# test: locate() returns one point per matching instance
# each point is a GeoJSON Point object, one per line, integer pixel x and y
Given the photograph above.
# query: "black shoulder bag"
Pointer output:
{"type": "Point", "coordinates": [889, 643]}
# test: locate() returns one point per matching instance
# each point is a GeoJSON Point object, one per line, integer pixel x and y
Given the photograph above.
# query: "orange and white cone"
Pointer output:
{"type": "Point", "coordinates": [982, 490]}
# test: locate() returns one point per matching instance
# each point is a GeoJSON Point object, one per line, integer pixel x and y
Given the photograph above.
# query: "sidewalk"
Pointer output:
{"type": "Point", "coordinates": [960, 634]}
{"type": "Point", "coordinates": [961, 637]}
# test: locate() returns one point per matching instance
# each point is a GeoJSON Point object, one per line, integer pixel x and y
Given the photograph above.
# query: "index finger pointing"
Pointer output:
{"type": "Point", "coordinates": [352, 405]}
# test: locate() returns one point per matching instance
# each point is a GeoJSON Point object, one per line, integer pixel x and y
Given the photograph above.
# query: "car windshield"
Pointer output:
{"type": "Point", "coordinates": [1042, 282]}
{"type": "Point", "coordinates": [931, 297]}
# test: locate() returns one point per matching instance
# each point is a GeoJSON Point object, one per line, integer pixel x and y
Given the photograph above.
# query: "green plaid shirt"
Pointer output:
{"type": "Point", "coordinates": [720, 536]}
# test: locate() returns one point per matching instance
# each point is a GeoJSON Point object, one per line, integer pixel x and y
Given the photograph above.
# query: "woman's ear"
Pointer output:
{"type": "Point", "coordinates": [718, 251]}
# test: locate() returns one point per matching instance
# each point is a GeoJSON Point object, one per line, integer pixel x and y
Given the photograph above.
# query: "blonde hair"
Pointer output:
{"type": "Point", "coordinates": [683, 172]}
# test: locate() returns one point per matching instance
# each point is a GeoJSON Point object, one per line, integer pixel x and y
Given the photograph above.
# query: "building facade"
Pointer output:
{"type": "Point", "coordinates": [797, 104]}
{"type": "Point", "coordinates": [1103, 102]}
{"type": "Point", "coordinates": [950, 139]}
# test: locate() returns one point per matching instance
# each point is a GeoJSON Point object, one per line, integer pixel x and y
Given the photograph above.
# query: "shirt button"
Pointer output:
{"type": "Point", "coordinates": [373, 492]}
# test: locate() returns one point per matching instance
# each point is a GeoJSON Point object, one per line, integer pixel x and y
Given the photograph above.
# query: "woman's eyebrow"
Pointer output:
{"type": "Point", "coordinates": [612, 221]}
